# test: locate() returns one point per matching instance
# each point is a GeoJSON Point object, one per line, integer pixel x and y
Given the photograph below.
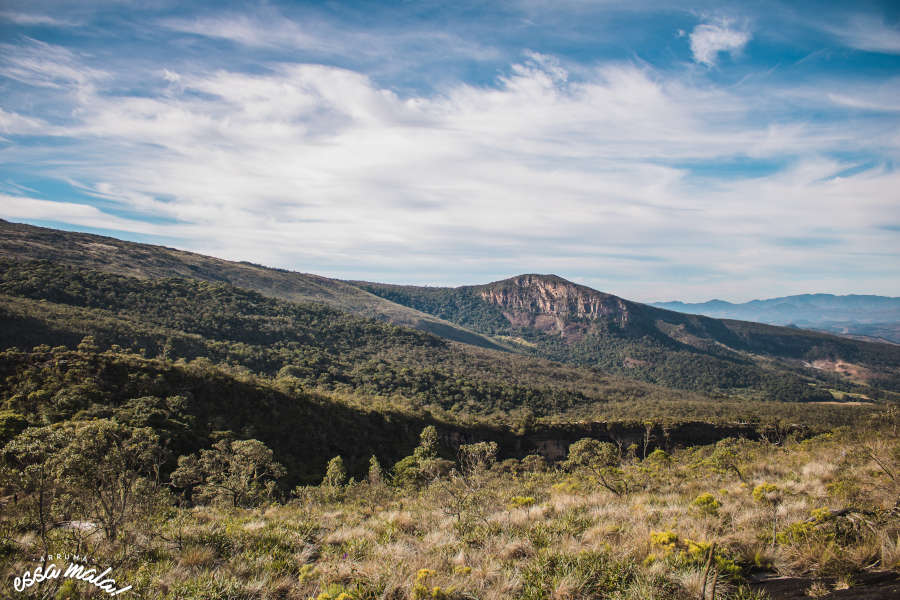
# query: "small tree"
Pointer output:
{"type": "Point", "coordinates": [335, 473]}
{"type": "Point", "coordinates": [602, 459]}
{"type": "Point", "coordinates": [475, 459]}
{"type": "Point", "coordinates": [375, 475]}
{"type": "Point", "coordinates": [238, 472]}
{"type": "Point", "coordinates": [31, 458]}
{"type": "Point", "coordinates": [534, 463]}
{"type": "Point", "coordinates": [648, 437]}
{"type": "Point", "coordinates": [105, 465]}
{"type": "Point", "coordinates": [428, 444]}
{"type": "Point", "coordinates": [423, 464]}
{"type": "Point", "coordinates": [726, 457]}
{"type": "Point", "coordinates": [462, 494]}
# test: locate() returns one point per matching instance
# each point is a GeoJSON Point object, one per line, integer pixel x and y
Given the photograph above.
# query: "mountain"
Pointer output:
{"type": "Point", "coordinates": [144, 261]}
{"type": "Point", "coordinates": [309, 344]}
{"type": "Point", "coordinates": [198, 360]}
{"type": "Point", "coordinates": [547, 316]}
{"type": "Point", "coordinates": [94, 327]}
{"type": "Point", "coordinates": [610, 344]}
{"type": "Point", "coordinates": [875, 318]}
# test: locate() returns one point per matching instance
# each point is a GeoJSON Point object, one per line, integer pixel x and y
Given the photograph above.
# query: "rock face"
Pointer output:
{"type": "Point", "coordinates": [550, 303]}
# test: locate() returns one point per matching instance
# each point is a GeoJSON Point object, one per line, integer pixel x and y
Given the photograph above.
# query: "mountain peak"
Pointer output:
{"type": "Point", "coordinates": [526, 279]}
{"type": "Point", "coordinates": [541, 280]}
{"type": "Point", "coordinates": [551, 303]}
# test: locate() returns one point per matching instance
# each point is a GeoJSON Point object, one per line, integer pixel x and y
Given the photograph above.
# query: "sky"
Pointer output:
{"type": "Point", "coordinates": [654, 150]}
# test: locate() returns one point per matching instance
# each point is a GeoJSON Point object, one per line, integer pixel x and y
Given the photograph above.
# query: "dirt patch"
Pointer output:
{"type": "Point", "coordinates": [849, 370]}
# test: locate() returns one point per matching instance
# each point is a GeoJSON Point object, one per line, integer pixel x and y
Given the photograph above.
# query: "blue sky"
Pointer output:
{"type": "Point", "coordinates": [655, 150]}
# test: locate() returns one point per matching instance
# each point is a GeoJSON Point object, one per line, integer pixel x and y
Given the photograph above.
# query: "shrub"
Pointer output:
{"type": "Point", "coordinates": [335, 473]}
{"type": "Point", "coordinates": [520, 501]}
{"type": "Point", "coordinates": [707, 504]}
{"type": "Point", "coordinates": [602, 459]}
{"type": "Point", "coordinates": [681, 553]}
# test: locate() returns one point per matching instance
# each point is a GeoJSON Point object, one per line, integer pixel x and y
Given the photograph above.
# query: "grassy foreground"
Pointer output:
{"type": "Point", "coordinates": [665, 527]}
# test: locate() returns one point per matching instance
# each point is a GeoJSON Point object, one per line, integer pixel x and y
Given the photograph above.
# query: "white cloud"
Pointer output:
{"type": "Point", "coordinates": [12, 123]}
{"type": "Point", "coordinates": [866, 32]}
{"type": "Point", "coordinates": [882, 105]}
{"type": "Point", "coordinates": [321, 169]}
{"type": "Point", "coordinates": [22, 207]}
{"type": "Point", "coordinates": [268, 29]}
{"type": "Point", "coordinates": [251, 31]}
{"type": "Point", "coordinates": [709, 39]}
{"type": "Point", "coordinates": [21, 18]}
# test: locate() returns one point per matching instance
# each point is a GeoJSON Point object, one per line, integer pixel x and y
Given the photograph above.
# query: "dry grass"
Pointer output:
{"type": "Point", "coordinates": [574, 534]}
{"type": "Point", "coordinates": [197, 556]}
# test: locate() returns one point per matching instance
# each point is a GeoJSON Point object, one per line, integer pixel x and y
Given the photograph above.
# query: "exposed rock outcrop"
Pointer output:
{"type": "Point", "coordinates": [552, 304]}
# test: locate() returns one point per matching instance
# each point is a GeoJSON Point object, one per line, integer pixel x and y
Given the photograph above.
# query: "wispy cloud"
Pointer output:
{"type": "Point", "coordinates": [26, 18]}
{"type": "Point", "coordinates": [269, 29]}
{"type": "Point", "coordinates": [15, 124]}
{"type": "Point", "coordinates": [253, 31]}
{"type": "Point", "coordinates": [40, 64]}
{"type": "Point", "coordinates": [875, 104]}
{"type": "Point", "coordinates": [867, 32]}
{"type": "Point", "coordinates": [29, 208]}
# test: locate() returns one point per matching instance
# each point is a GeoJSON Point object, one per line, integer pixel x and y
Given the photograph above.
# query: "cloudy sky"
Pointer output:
{"type": "Point", "coordinates": [649, 149]}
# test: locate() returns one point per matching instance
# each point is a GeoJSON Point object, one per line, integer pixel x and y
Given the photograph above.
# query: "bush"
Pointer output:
{"type": "Point", "coordinates": [707, 504]}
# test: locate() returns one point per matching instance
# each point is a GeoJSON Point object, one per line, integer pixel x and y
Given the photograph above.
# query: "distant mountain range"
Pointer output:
{"type": "Point", "coordinates": [868, 317]}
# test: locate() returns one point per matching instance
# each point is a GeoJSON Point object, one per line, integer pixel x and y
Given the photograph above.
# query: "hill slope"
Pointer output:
{"type": "Point", "coordinates": [110, 255]}
{"type": "Point", "coordinates": [197, 360]}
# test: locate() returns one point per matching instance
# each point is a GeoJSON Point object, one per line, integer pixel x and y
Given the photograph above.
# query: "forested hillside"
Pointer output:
{"type": "Point", "coordinates": [144, 261]}
{"type": "Point", "coordinates": [312, 344]}
{"type": "Point", "coordinates": [541, 316]}
{"type": "Point", "coordinates": [550, 317]}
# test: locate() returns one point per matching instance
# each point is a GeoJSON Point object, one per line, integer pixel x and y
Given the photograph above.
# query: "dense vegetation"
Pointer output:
{"type": "Point", "coordinates": [458, 305]}
{"type": "Point", "coordinates": [674, 350]}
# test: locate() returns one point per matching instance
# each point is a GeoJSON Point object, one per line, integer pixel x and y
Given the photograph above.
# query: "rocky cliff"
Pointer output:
{"type": "Point", "coordinates": [550, 303]}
